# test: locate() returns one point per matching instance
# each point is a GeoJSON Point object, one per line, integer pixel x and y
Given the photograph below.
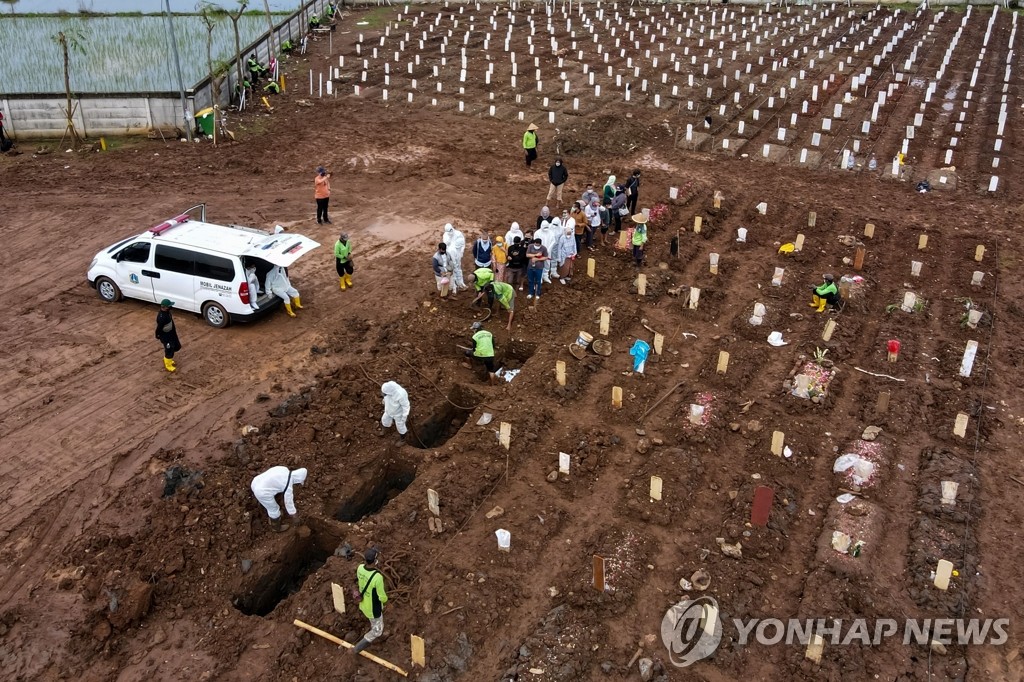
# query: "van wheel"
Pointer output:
{"type": "Point", "coordinates": [215, 315]}
{"type": "Point", "coordinates": [107, 290]}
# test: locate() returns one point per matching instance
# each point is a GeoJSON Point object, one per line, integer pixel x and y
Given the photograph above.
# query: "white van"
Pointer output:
{"type": "Point", "coordinates": [198, 265]}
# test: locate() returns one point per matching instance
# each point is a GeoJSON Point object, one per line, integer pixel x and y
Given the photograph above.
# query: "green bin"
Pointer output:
{"type": "Point", "coordinates": [204, 121]}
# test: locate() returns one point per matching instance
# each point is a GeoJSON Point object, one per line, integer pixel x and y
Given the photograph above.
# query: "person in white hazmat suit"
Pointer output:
{"type": "Point", "coordinates": [510, 236]}
{"type": "Point", "coordinates": [396, 406]}
{"type": "Point", "coordinates": [254, 285]}
{"type": "Point", "coordinates": [456, 243]}
{"type": "Point", "coordinates": [273, 482]}
{"type": "Point", "coordinates": [279, 285]}
{"type": "Point", "coordinates": [548, 234]}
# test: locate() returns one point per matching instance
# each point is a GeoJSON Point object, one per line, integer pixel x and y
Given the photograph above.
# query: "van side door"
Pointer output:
{"type": "Point", "coordinates": [135, 273]}
{"type": "Point", "coordinates": [176, 268]}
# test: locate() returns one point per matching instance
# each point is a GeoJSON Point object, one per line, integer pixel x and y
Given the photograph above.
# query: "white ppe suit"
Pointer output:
{"type": "Point", "coordinates": [254, 287]}
{"type": "Point", "coordinates": [548, 235]}
{"type": "Point", "coordinates": [510, 236]}
{"type": "Point", "coordinates": [456, 243]}
{"type": "Point", "coordinates": [396, 406]}
{"type": "Point", "coordinates": [279, 285]}
{"type": "Point", "coordinates": [274, 481]}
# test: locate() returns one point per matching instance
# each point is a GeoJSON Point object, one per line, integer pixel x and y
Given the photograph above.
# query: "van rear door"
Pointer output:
{"type": "Point", "coordinates": [281, 249]}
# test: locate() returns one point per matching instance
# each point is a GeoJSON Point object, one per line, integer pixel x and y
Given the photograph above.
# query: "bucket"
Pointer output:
{"type": "Point", "coordinates": [584, 340]}
{"type": "Point", "coordinates": [504, 539]}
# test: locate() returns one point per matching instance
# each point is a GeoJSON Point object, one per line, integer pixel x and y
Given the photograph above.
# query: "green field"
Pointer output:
{"type": "Point", "coordinates": [119, 54]}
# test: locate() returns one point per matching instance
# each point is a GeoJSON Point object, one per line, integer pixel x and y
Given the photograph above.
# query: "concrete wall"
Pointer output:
{"type": "Point", "coordinates": [28, 117]}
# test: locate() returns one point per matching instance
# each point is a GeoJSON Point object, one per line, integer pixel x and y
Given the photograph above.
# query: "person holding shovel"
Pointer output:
{"type": "Point", "coordinates": [370, 592]}
{"type": "Point", "coordinates": [483, 350]}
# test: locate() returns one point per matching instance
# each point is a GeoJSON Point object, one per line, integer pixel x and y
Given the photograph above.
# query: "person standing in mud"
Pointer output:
{"type": "Point", "coordinates": [167, 334]}
{"type": "Point", "coordinates": [322, 194]}
{"type": "Point", "coordinates": [530, 144]}
{"type": "Point", "coordinates": [370, 592]}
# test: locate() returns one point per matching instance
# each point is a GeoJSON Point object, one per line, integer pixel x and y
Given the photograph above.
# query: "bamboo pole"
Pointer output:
{"type": "Point", "coordinates": [366, 654]}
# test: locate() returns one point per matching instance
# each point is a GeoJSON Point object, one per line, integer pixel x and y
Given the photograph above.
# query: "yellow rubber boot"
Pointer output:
{"type": "Point", "coordinates": [297, 302]}
{"type": "Point", "coordinates": [821, 306]}
{"type": "Point", "coordinates": [169, 365]}
{"type": "Point", "coordinates": [341, 283]}
{"type": "Point", "coordinates": [348, 279]}
{"type": "Point", "coordinates": [815, 300]}
{"type": "Point", "coordinates": [288, 309]}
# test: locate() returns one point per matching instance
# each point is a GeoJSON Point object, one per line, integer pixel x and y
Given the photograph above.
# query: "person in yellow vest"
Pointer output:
{"type": "Point", "coordinates": [370, 592]}
{"type": "Point", "coordinates": [639, 238]}
{"type": "Point", "coordinates": [483, 350]}
{"type": "Point", "coordinates": [343, 260]}
{"type": "Point", "coordinates": [530, 143]}
{"type": "Point", "coordinates": [506, 295]}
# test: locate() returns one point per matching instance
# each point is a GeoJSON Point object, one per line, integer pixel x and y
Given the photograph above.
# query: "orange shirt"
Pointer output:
{"type": "Point", "coordinates": [321, 187]}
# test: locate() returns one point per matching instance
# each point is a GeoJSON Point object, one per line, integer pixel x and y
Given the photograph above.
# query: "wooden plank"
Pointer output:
{"type": "Point", "coordinates": [340, 642]}
{"type": "Point", "coordinates": [762, 506]}
{"type": "Point", "coordinates": [778, 443]}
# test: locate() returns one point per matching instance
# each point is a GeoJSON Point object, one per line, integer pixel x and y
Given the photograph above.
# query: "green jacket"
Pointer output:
{"type": "Point", "coordinates": [371, 587]}
{"type": "Point", "coordinates": [639, 236]}
{"type": "Point", "coordinates": [484, 276]}
{"type": "Point", "coordinates": [529, 140]}
{"type": "Point", "coordinates": [826, 288]}
{"type": "Point", "coordinates": [483, 344]}
{"type": "Point", "coordinates": [504, 293]}
{"type": "Point", "coordinates": [341, 251]}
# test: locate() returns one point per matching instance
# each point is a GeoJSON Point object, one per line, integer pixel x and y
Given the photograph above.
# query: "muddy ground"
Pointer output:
{"type": "Point", "coordinates": [104, 578]}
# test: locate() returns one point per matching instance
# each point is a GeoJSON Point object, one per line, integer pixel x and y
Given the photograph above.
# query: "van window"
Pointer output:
{"type": "Point", "coordinates": [135, 253]}
{"type": "Point", "coordinates": [214, 267]}
{"type": "Point", "coordinates": [173, 259]}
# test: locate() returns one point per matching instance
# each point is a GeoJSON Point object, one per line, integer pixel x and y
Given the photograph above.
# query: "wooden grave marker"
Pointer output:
{"type": "Point", "coordinates": [599, 582]}
{"type": "Point", "coordinates": [723, 362]}
{"type": "Point", "coordinates": [418, 651]}
{"type": "Point", "coordinates": [830, 328]}
{"type": "Point", "coordinates": [778, 443]}
{"type": "Point", "coordinates": [922, 242]}
{"type": "Point", "coordinates": [659, 343]}
{"type": "Point", "coordinates": [812, 219]}
{"type": "Point", "coordinates": [641, 284]}
{"type": "Point", "coordinates": [656, 487]}
{"type": "Point", "coordinates": [606, 321]}
{"type": "Point", "coordinates": [591, 267]}
{"type": "Point", "coordinates": [338, 595]}
{"type": "Point", "coordinates": [616, 396]}
{"type": "Point", "coordinates": [858, 258]}
{"type": "Point", "coordinates": [560, 372]}
{"type": "Point", "coordinates": [697, 222]}
{"type": "Point", "coordinates": [943, 572]}
{"type": "Point", "coordinates": [979, 252]}
{"type": "Point", "coordinates": [694, 298]}
{"type": "Point", "coordinates": [433, 502]}
{"type": "Point", "coordinates": [815, 647]}
{"type": "Point", "coordinates": [960, 426]}
{"type": "Point", "coordinates": [869, 230]}
{"type": "Point", "coordinates": [762, 506]}
{"type": "Point", "coordinates": [798, 245]}
{"type": "Point", "coordinates": [564, 461]}
{"type": "Point", "coordinates": [505, 434]}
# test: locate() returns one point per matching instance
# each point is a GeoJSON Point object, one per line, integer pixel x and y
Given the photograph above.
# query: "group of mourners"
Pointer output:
{"type": "Point", "coordinates": [545, 251]}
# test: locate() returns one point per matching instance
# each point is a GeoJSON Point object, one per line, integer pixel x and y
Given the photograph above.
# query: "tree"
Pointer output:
{"type": "Point", "coordinates": [271, 51]}
{"type": "Point", "coordinates": [235, 16]}
{"type": "Point", "coordinates": [210, 15]}
{"type": "Point", "coordinates": [69, 40]}
{"type": "Point", "coordinates": [12, 3]}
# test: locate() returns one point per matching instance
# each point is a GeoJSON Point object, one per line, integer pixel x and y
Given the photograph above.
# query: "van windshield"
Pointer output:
{"type": "Point", "coordinates": [118, 245]}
